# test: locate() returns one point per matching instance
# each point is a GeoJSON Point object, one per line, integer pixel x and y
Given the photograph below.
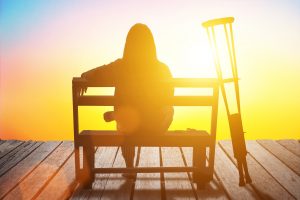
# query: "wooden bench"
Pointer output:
{"type": "Point", "coordinates": [199, 140]}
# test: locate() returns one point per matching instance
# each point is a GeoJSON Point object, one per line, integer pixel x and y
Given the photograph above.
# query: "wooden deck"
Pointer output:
{"type": "Point", "coordinates": [45, 170]}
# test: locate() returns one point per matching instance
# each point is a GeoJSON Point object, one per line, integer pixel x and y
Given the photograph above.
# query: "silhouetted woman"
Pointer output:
{"type": "Point", "coordinates": [136, 77]}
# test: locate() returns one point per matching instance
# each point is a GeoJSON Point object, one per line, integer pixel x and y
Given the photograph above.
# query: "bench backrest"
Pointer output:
{"type": "Point", "coordinates": [201, 100]}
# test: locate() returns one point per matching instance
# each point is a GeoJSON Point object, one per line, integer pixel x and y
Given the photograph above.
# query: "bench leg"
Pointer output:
{"type": "Point", "coordinates": [77, 161]}
{"type": "Point", "coordinates": [199, 162]}
{"type": "Point", "coordinates": [87, 177]}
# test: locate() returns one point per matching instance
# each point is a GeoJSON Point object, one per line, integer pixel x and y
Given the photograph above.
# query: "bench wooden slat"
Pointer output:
{"type": "Point", "coordinates": [262, 181]}
{"type": "Point", "coordinates": [171, 138]}
{"type": "Point", "coordinates": [175, 101]}
{"type": "Point", "coordinates": [175, 82]}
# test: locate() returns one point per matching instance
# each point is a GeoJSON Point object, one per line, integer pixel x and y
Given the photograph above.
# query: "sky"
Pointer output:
{"type": "Point", "coordinates": [43, 44]}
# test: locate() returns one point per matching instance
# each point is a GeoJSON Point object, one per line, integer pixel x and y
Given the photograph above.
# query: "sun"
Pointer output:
{"type": "Point", "coordinates": [192, 59]}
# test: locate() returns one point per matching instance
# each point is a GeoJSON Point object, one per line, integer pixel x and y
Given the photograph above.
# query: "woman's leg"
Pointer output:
{"type": "Point", "coordinates": [128, 153]}
{"type": "Point", "coordinates": [166, 119]}
{"type": "Point", "coordinates": [160, 126]}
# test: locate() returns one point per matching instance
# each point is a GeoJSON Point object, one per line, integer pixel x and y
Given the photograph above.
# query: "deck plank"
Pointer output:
{"type": "Point", "coordinates": [213, 190]}
{"type": "Point", "coordinates": [285, 176]}
{"type": "Point", "coordinates": [118, 187]}
{"type": "Point", "coordinates": [63, 184]}
{"type": "Point", "coordinates": [148, 185]}
{"type": "Point", "coordinates": [44, 171]}
{"type": "Point", "coordinates": [228, 174]}
{"type": "Point", "coordinates": [8, 146]}
{"type": "Point", "coordinates": [11, 178]}
{"type": "Point", "coordinates": [5, 145]}
{"type": "Point", "coordinates": [79, 191]}
{"type": "Point", "coordinates": [291, 145]}
{"type": "Point", "coordinates": [177, 185]}
{"type": "Point", "coordinates": [105, 159]}
{"type": "Point", "coordinates": [82, 193]}
{"type": "Point", "coordinates": [30, 187]}
{"type": "Point", "coordinates": [17, 155]}
{"type": "Point", "coordinates": [288, 158]}
{"type": "Point", "coordinates": [262, 181]}
{"type": "Point", "coordinates": [9, 156]}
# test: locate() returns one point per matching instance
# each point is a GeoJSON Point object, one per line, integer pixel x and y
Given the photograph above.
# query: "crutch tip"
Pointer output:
{"type": "Point", "coordinates": [248, 180]}
{"type": "Point", "coordinates": [242, 182]}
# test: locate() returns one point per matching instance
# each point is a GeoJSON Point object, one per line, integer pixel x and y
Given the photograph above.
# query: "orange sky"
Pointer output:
{"type": "Point", "coordinates": [45, 43]}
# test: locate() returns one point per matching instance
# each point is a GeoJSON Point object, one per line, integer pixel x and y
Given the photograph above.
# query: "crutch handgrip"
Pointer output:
{"type": "Point", "coordinates": [229, 80]}
{"type": "Point", "coordinates": [218, 21]}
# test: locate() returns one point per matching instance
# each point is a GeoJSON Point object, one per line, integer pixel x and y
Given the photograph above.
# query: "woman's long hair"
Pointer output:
{"type": "Point", "coordinates": [139, 47]}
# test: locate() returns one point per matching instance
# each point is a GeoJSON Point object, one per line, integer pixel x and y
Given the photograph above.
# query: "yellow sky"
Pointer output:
{"type": "Point", "coordinates": [44, 45]}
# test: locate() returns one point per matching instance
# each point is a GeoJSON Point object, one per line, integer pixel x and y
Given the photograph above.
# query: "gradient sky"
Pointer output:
{"type": "Point", "coordinates": [44, 44]}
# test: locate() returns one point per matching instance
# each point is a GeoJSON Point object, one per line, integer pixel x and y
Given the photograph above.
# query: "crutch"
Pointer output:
{"type": "Point", "coordinates": [235, 120]}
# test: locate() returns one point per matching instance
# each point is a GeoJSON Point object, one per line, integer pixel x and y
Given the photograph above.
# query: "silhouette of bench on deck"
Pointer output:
{"type": "Point", "coordinates": [199, 140]}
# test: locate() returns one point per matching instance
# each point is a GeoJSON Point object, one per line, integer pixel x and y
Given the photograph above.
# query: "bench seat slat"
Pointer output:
{"type": "Point", "coordinates": [170, 138]}
{"type": "Point", "coordinates": [175, 82]}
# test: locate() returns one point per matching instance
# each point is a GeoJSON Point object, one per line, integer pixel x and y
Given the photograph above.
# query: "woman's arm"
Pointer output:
{"type": "Point", "coordinates": [105, 72]}
{"type": "Point", "coordinates": [168, 76]}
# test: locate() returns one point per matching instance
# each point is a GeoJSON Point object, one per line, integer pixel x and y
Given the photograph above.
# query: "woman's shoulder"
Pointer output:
{"type": "Point", "coordinates": [164, 68]}
{"type": "Point", "coordinates": [162, 64]}
{"type": "Point", "coordinates": [115, 63]}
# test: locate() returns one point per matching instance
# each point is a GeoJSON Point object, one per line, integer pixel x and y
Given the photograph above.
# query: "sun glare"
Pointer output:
{"type": "Point", "coordinates": [195, 62]}
{"type": "Point", "coordinates": [195, 59]}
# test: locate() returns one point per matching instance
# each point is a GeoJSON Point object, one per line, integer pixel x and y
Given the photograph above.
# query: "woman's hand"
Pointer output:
{"type": "Point", "coordinates": [82, 91]}
{"type": "Point", "coordinates": [109, 116]}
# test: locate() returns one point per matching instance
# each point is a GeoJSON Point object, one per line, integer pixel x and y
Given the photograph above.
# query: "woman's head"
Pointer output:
{"type": "Point", "coordinates": [139, 46]}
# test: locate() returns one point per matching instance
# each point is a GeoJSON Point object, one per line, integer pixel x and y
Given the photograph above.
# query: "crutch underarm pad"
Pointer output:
{"type": "Point", "coordinates": [218, 21]}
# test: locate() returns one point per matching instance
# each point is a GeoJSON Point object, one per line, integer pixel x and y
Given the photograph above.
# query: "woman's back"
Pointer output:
{"type": "Point", "coordinates": [139, 79]}
{"type": "Point", "coordinates": [141, 94]}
